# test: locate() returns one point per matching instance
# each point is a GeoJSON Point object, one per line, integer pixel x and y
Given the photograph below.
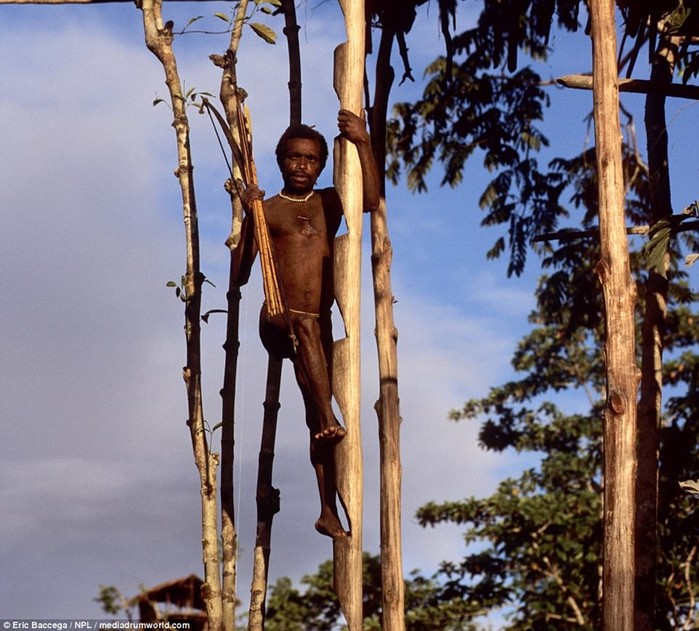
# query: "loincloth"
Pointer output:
{"type": "Point", "coordinates": [308, 314]}
{"type": "Point", "coordinates": [305, 313]}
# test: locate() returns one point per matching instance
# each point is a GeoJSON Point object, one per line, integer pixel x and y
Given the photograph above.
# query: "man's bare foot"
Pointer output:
{"type": "Point", "coordinates": [330, 526]}
{"type": "Point", "coordinates": [331, 435]}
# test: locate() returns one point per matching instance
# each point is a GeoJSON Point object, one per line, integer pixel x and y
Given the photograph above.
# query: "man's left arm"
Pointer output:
{"type": "Point", "coordinates": [353, 128]}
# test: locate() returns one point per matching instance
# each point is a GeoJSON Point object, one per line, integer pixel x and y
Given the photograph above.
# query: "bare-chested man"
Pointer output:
{"type": "Point", "coordinates": [302, 223]}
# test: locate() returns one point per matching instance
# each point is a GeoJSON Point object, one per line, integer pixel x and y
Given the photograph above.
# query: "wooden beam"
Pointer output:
{"type": "Point", "coordinates": [572, 235]}
{"type": "Point", "coordinates": [638, 86]}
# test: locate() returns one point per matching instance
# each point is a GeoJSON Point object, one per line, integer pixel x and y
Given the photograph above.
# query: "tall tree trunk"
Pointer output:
{"type": "Point", "coordinates": [649, 409]}
{"type": "Point", "coordinates": [159, 41]}
{"type": "Point", "coordinates": [388, 405]}
{"type": "Point", "coordinates": [348, 82]}
{"type": "Point", "coordinates": [619, 298]}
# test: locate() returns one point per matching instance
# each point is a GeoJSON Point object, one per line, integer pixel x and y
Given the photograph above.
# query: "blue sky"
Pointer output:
{"type": "Point", "coordinates": [97, 482]}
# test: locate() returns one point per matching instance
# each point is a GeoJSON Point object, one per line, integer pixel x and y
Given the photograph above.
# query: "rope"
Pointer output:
{"type": "Point", "coordinates": [220, 142]}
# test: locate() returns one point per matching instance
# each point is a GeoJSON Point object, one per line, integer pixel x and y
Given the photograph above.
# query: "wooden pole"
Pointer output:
{"type": "Point", "coordinates": [348, 80]}
{"type": "Point", "coordinates": [652, 343]}
{"type": "Point", "coordinates": [619, 297]}
{"type": "Point", "coordinates": [229, 534]}
{"type": "Point", "coordinates": [158, 38]}
{"type": "Point", "coordinates": [267, 498]}
{"type": "Point", "coordinates": [291, 30]}
{"type": "Point", "coordinates": [388, 413]}
{"type": "Point", "coordinates": [388, 405]}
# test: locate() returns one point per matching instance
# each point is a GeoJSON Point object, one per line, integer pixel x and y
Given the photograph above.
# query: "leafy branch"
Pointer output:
{"type": "Point", "coordinates": [191, 98]}
{"type": "Point", "coordinates": [659, 238]}
{"type": "Point", "coordinates": [268, 7]}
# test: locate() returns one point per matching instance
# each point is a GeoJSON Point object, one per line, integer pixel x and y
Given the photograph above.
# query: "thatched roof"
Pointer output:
{"type": "Point", "coordinates": [182, 592]}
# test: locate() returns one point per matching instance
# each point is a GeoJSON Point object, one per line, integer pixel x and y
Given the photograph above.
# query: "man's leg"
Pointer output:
{"type": "Point", "coordinates": [313, 377]}
{"type": "Point", "coordinates": [323, 461]}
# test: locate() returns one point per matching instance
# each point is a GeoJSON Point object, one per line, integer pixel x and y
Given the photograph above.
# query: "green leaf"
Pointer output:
{"type": "Point", "coordinates": [675, 21]}
{"type": "Point", "coordinates": [264, 31]}
{"type": "Point", "coordinates": [691, 259]}
{"type": "Point", "coordinates": [158, 101]}
{"type": "Point", "coordinates": [171, 283]}
{"type": "Point", "coordinates": [656, 248]}
{"type": "Point", "coordinates": [222, 16]}
{"type": "Point", "coordinates": [193, 20]}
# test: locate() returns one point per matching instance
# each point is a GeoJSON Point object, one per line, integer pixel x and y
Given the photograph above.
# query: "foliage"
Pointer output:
{"type": "Point", "coordinates": [660, 235]}
{"type": "Point", "coordinates": [264, 32]}
{"type": "Point", "coordinates": [112, 601]}
{"type": "Point", "coordinates": [430, 606]}
{"type": "Point", "coordinates": [539, 535]}
{"type": "Point", "coordinates": [470, 104]}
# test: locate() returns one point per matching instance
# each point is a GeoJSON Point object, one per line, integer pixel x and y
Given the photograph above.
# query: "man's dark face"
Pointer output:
{"type": "Point", "coordinates": [301, 165]}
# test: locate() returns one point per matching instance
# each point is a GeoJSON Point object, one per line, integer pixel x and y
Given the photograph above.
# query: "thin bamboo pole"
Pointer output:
{"type": "Point", "coordinates": [229, 535]}
{"type": "Point", "coordinates": [159, 41]}
{"type": "Point", "coordinates": [291, 30]}
{"type": "Point", "coordinates": [619, 297]}
{"type": "Point", "coordinates": [348, 82]}
{"type": "Point", "coordinates": [267, 498]}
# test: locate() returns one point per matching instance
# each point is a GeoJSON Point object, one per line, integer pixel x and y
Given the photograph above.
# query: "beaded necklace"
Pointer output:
{"type": "Point", "coordinates": [296, 200]}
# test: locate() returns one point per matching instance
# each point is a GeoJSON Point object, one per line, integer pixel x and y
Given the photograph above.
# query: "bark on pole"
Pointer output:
{"type": "Point", "coordinates": [388, 413]}
{"type": "Point", "coordinates": [619, 298]}
{"type": "Point", "coordinates": [158, 38]}
{"type": "Point", "coordinates": [652, 335]}
{"type": "Point", "coordinates": [348, 80]}
{"type": "Point", "coordinates": [388, 405]}
{"type": "Point", "coordinates": [229, 535]}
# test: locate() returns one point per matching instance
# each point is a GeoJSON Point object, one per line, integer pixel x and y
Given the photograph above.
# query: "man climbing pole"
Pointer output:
{"type": "Point", "coordinates": [302, 224]}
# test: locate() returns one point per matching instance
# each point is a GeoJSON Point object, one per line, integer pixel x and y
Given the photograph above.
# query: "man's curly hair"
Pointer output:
{"type": "Point", "coordinates": [306, 132]}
